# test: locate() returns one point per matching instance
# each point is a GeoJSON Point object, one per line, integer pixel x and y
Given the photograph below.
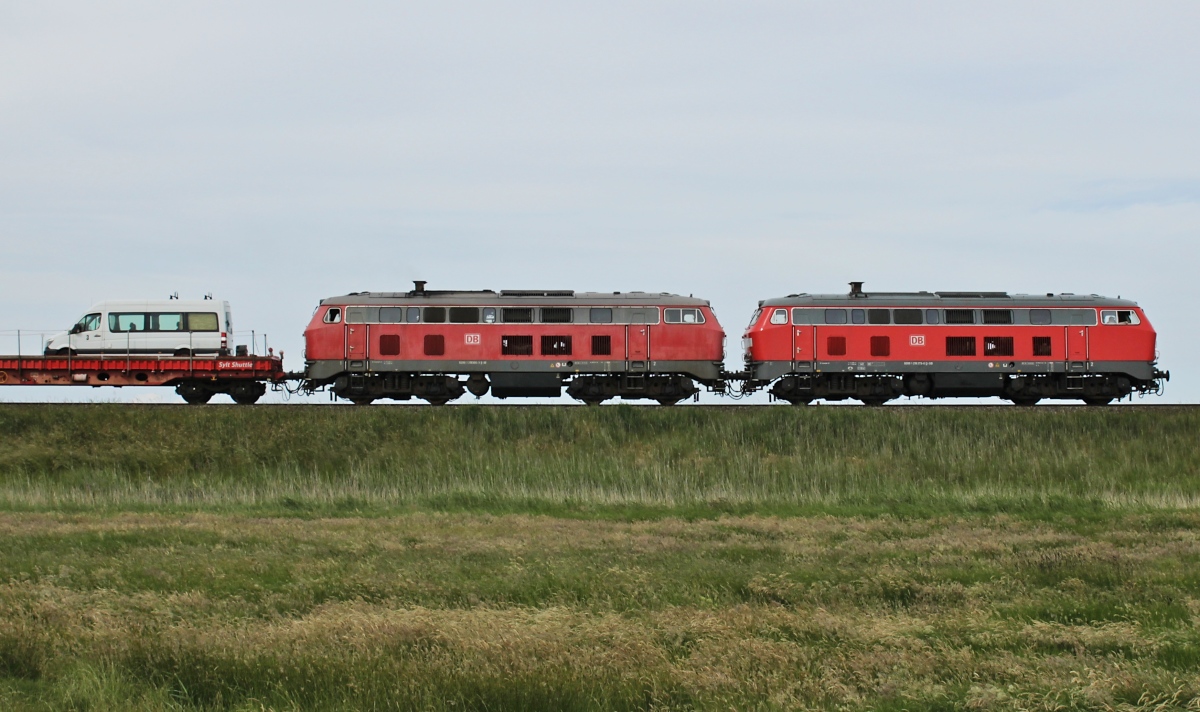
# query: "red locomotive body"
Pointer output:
{"type": "Point", "coordinates": [874, 347]}
{"type": "Point", "coordinates": [371, 345]}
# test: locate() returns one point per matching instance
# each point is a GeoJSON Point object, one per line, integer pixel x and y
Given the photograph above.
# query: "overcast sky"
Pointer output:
{"type": "Point", "coordinates": [278, 153]}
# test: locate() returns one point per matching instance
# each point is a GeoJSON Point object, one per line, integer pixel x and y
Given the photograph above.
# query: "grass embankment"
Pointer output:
{"type": "Point", "coordinates": [608, 558]}
{"type": "Point", "coordinates": [625, 461]}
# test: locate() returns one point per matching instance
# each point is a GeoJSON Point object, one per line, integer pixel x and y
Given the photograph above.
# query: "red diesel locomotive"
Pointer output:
{"type": "Point", "coordinates": [370, 345]}
{"type": "Point", "coordinates": [875, 347]}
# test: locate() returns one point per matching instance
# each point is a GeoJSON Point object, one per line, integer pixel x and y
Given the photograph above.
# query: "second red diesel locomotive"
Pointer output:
{"type": "Point", "coordinates": [878, 346]}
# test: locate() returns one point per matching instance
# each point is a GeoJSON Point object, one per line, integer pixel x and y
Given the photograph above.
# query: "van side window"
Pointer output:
{"type": "Point", "coordinates": [203, 321]}
{"type": "Point", "coordinates": [333, 316]}
{"type": "Point", "coordinates": [166, 322]}
{"type": "Point", "coordinates": [126, 322]}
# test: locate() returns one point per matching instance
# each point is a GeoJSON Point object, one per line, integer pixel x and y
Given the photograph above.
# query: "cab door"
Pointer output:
{"type": "Point", "coordinates": [637, 343]}
{"type": "Point", "coordinates": [804, 346]}
{"type": "Point", "coordinates": [1077, 347]}
{"type": "Point", "coordinates": [356, 342]}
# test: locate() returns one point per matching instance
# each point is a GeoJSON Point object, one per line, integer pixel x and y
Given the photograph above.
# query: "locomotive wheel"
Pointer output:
{"type": "Point", "coordinates": [801, 401]}
{"type": "Point", "coordinates": [362, 401]}
{"type": "Point", "coordinates": [1099, 400]}
{"type": "Point", "coordinates": [874, 402]}
{"type": "Point", "coordinates": [1025, 402]}
{"type": "Point", "coordinates": [438, 401]}
{"type": "Point", "coordinates": [668, 401]}
{"type": "Point", "coordinates": [592, 401]}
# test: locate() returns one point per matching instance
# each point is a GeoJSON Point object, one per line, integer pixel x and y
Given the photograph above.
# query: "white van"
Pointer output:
{"type": "Point", "coordinates": [173, 326]}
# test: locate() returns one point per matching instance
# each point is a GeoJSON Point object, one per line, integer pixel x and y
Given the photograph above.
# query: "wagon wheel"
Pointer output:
{"type": "Point", "coordinates": [438, 401]}
{"type": "Point", "coordinates": [362, 401]}
{"type": "Point", "coordinates": [245, 398]}
{"type": "Point", "coordinates": [199, 397]}
{"type": "Point", "coordinates": [874, 401]}
{"type": "Point", "coordinates": [592, 401]}
{"type": "Point", "coordinates": [1025, 402]}
{"type": "Point", "coordinates": [1099, 400]}
{"type": "Point", "coordinates": [668, 401]}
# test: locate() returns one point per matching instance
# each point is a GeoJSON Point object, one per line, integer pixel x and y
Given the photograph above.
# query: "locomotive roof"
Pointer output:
{"type": "Point", "coordinates": [534, 297]}
{"type": "Point", "coordinates": [964, 300]}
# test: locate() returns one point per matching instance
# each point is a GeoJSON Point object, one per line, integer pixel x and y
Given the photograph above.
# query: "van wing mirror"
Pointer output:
{"type": "Point", "coordinates": [77, 329]}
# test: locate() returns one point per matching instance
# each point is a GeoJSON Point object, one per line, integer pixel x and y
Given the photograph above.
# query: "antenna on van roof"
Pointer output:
{"type": "Point", "coordinates": [208, 297]}
{"type": "Point", "coordinates": [174, 296]}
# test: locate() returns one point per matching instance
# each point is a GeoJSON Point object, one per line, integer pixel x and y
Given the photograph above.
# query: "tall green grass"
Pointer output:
{"type": "Point", "coordinates": [613, 459]}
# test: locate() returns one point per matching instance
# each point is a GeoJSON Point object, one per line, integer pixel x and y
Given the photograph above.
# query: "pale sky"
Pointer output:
{"type": "Point", "coordinates": [278, 153]}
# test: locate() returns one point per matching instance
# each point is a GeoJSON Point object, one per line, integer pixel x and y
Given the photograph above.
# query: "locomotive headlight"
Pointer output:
{"type": "Point", "coordinates": [747, 342]}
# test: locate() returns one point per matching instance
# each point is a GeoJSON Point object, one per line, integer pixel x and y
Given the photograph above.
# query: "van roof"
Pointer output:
{"type": "Point", "coordinates": [167, 305]}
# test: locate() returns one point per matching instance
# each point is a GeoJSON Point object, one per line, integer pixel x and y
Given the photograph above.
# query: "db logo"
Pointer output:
{"type": "Point", "coordinates": [916, 341]}
{"type": "Point", "coordinates": [472, 339]}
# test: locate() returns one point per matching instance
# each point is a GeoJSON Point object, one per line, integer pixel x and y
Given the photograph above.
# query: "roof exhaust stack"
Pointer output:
{"type": "Point", "coordinates": [418, 286]}
{"type": "Point", "coordinates": [856, 289]}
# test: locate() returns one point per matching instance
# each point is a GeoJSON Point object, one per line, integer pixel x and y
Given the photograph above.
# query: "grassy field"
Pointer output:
{"type": "Point", "coordinates": [606, 558]}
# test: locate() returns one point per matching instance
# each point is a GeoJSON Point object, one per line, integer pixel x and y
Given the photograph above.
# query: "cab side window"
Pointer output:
{"type": "Point", "coordinates": [693, 316]}
{"type": "Point", "coordinates": [1110, 317]}
{"type": "Point", "coordinates": [779, 316]}
{"type": "Point", "coordinates": [333, 316]}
